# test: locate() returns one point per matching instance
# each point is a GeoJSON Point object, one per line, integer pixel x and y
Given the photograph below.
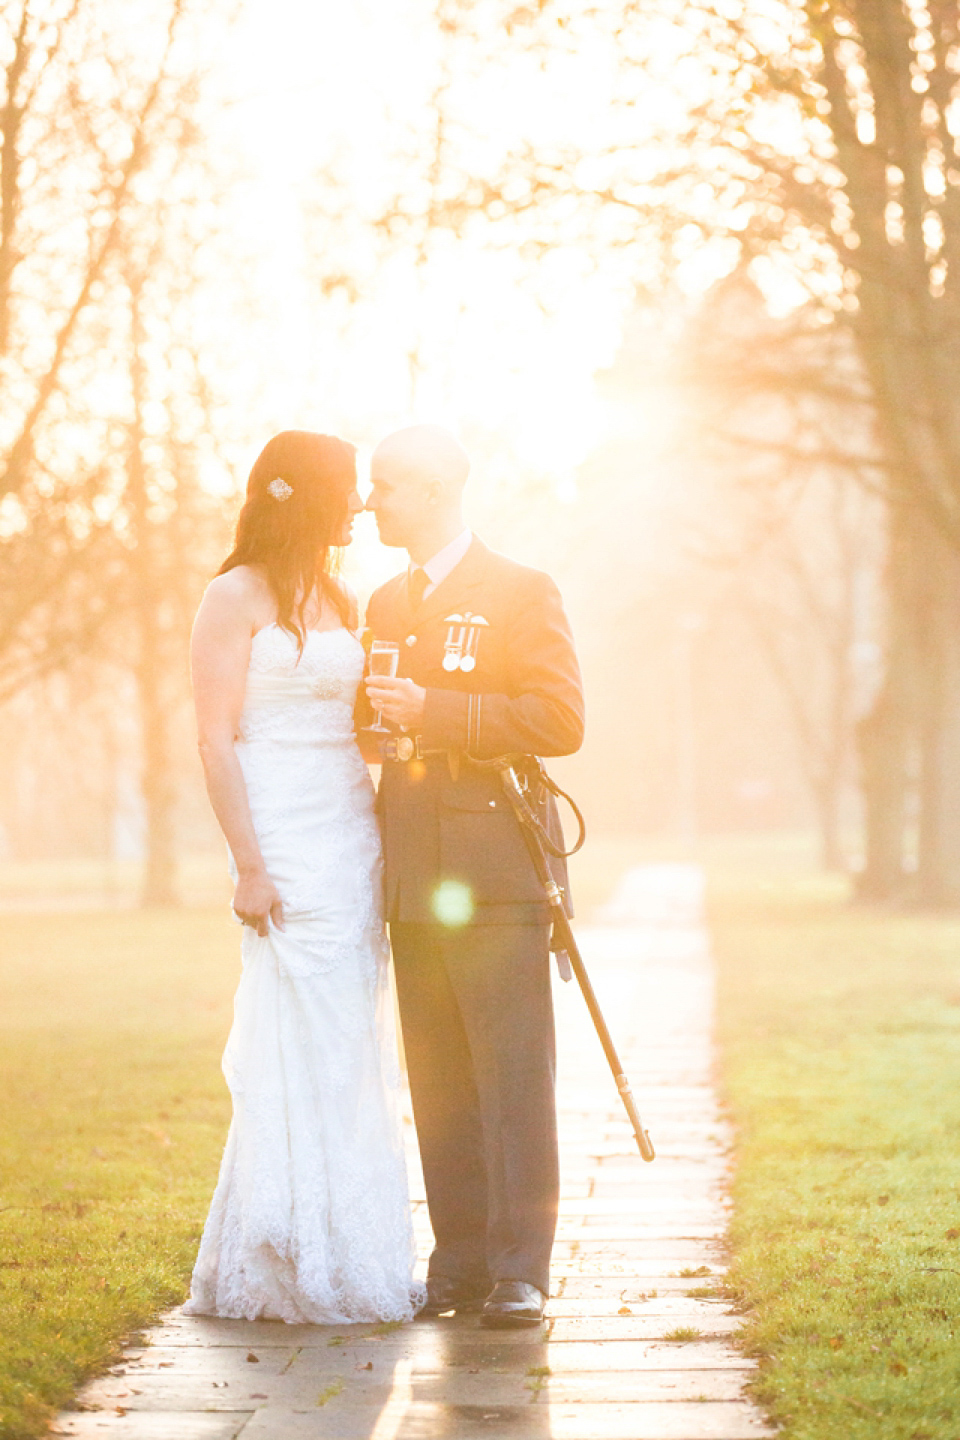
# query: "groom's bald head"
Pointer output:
{"type": "Point", "coordinates": [425, 452]}
{"type": "Point", "coordinates": [418, 475]}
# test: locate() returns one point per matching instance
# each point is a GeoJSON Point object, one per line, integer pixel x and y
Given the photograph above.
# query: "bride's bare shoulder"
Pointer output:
{"type": "Point", "coordinates": [241, 595]}
{"type": "Point", "coordinates": [241, 580]}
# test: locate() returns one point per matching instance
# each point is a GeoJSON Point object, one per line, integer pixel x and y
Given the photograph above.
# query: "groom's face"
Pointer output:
{"type": "Point", "coordinates": [400, 500]}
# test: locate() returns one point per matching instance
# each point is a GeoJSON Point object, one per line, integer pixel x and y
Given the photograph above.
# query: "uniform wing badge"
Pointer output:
{"type": "Point", "coordinates": [463, 641]}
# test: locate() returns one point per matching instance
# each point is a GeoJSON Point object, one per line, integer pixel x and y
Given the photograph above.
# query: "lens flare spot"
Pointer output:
{"type": "Point", "coordinates": [452, 903]}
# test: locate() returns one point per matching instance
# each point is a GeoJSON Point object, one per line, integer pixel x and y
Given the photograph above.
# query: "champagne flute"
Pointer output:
{"type": "Point", "coordinates": [384, 659]}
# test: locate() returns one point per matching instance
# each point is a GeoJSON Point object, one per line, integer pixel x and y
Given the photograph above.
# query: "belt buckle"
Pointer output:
{"type": "Point", "coordinates": [402, 748]}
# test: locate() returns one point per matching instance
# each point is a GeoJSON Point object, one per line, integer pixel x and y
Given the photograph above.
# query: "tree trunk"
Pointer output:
{"type": "Point", "coordinates": [159, 792]}
{"type": "Point", "coordinates": [883, 741]}
{"type": "Point", "coordinates": [938, 871]}
{"type": "Point", "coordinates": [828, 817]}
{"type": "Point", "coordinates": [156, 759]}
{"type": "Point", "coordinates": [886, 732]}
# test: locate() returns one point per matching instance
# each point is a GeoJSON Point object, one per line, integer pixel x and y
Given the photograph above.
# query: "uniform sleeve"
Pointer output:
{"type": "Point", "coordinates": [543, 712]}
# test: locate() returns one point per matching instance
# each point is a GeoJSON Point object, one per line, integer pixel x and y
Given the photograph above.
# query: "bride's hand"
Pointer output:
{"type": "Point", "coordinates": [257, 901]}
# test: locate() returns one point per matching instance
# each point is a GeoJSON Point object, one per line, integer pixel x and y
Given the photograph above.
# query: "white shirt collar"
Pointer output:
{"type": "Point", "coordinates": [439, 566]}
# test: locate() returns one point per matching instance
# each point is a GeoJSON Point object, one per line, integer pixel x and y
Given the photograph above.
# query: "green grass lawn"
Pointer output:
{"type": "Point", "coordinates": [840, 1032]}
{"type": "Point", "coordinates": [113, 1114]}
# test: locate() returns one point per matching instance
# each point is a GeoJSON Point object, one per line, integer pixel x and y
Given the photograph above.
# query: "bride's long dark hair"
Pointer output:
{"type": "Point", "coordinates": [291, 530]}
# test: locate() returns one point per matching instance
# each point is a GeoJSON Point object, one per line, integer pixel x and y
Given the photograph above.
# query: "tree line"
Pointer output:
{"type": "Point", "coordinates": [810, 145]}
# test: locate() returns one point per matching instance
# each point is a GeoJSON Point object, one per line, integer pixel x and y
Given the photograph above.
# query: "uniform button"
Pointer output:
{"type": "Point", "coordinates": [411, 639]}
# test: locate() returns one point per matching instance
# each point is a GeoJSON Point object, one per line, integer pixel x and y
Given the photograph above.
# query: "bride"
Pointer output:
{"type": "Point", "coordinates": [310, 1220]}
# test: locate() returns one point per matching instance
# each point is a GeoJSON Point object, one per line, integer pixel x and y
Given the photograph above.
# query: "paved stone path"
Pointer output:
{"type": "Point", "coordinates": [631, 1351]}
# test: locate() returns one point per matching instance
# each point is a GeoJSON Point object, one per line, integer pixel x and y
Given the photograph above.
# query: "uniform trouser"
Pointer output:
{"type": "Point", "coordinates": [477, 1015]}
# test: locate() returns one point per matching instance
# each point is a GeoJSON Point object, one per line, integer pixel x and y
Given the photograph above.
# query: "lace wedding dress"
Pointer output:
{"type": "Point", "coordinates": [310, 1220]}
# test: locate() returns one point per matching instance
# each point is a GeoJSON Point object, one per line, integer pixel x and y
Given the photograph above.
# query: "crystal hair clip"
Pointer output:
{"type": "Point", "coordinates": [279, 489]}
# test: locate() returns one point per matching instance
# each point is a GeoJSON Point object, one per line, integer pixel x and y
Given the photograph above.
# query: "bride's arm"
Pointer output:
{"type": "Point", "coordinates": [363, 713]}
{"type": "Point", "coordinates": [219, 656]}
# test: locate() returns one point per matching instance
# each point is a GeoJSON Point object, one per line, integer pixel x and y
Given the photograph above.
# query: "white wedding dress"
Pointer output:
{"type": "Point", "coordinates": [310, 1220]}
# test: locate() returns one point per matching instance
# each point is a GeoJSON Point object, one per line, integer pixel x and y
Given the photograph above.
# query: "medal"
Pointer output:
{"type": "Point", "coordinates": [453, 645]}
{"type": "Point", "coordinates": [476, 623]}
{"type": "Point", "coordinates": [462, 642]}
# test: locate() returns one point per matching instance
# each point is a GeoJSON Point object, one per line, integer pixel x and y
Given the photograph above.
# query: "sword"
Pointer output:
{"type": "Point", "coordinates": [535, 836]}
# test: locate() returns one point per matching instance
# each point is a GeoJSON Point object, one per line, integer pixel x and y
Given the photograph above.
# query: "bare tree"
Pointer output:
{"type": "Point", "coordinates": [785, 434]}
{"type": "Point", "coordinates": [818, 137]}
{"type": "Point", "coordinates": [107, 532]}
{"type": "Point", "coordinates": [81, 121]}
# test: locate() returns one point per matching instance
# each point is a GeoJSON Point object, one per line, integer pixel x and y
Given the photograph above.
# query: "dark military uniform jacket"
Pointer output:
{"type": "Point", "coordinates": [493, 649]}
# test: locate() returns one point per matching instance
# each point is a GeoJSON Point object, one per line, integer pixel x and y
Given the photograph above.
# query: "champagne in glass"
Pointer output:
{"type": "Point", "coordinates": [384, 659]}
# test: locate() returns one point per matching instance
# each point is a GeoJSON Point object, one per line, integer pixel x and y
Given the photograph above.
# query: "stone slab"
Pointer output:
{"type": "Point", "coordinates": [657, 1231]}
{"type": "Point", "coordinates": [346, 1383]}
{"type": "Point", "coordinates": [412, 1420]}
{"type": "Point", "coordinates": [672, 1145]}
{"type": "Point", "coordinates": [439, 1337]}
{"type": "Point", "coordinates": [672, 1420]}
{"type": "Point", "coordinates": [609, 1265]}
{"type": "Point", "coordinates": [639, 1195]}
{"type": "Point", "coordinates": [678, 1249]}
{"type": "Point", "coordinates": [228, 1362]}
{"type": "Point", "coordinates": [463, 1352]}
{"type": "Point", "coordinates": [675, 1169]}
{"type": "Point", "coordinates": [630, 1386]}
{"type": "Point", "coordinates": [104, 1425]}
{"type": "Point", "coordinates": [640, 1327]}
{"type": "Point", "coordinates": [182, 1393]}
{"type": "Point", "coordinates": [620, 1196]}
{"type": "Point", "coordinates": [629, 1287]}
{"type": "Point", "coordinates": [666, 1174]}
{"type": "Point", "coordinates": [677, 1308]}
{"type": "Point", "coordinates": [256, 1334]}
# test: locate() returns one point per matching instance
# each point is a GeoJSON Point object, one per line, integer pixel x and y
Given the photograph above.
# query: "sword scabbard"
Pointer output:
{"type": "Point", "coordinates": [554, 894]}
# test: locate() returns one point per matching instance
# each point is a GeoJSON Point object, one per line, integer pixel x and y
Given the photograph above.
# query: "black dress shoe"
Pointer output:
{"type": "Point", "coordinates": [512, 1304]}
{"type": "Point", "coordinates": [444, 1295]}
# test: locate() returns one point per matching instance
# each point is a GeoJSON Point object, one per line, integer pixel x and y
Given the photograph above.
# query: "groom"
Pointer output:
{"type": "Point", "coordinates": [487, 667]}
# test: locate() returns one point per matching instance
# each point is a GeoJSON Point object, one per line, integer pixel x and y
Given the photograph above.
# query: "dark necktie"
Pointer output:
{"type": "Point", "coordinates": [416, 584]}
